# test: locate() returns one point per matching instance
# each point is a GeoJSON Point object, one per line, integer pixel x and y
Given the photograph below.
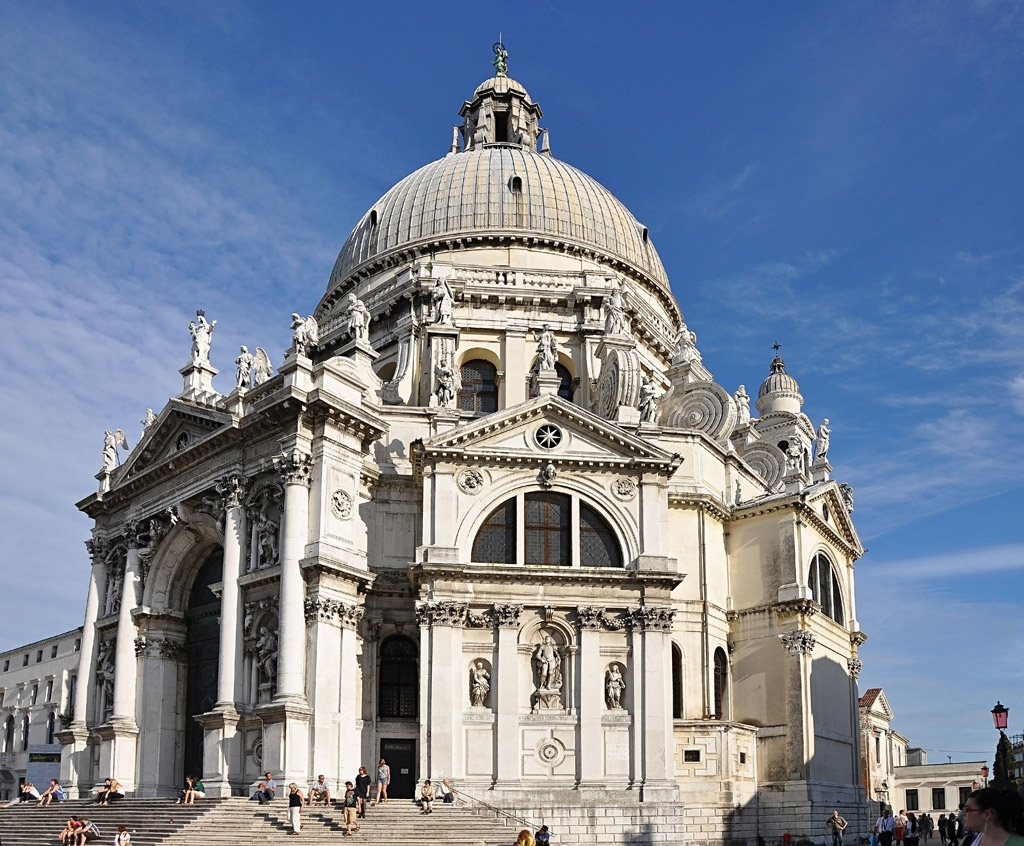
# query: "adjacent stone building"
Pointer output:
{"type": "Point", "coordinates": [491, 519]}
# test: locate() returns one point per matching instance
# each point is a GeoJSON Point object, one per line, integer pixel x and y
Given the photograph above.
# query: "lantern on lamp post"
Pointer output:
{"type": "Point", "coordinates": [1004, 751]}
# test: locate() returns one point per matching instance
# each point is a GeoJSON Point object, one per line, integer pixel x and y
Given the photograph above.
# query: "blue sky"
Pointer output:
{"type": "Point", "coordinates": [846, 178]}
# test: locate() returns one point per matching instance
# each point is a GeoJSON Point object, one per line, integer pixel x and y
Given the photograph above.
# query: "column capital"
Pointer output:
{"type": "Point", "coordinates": [164, 647]}
{"type": "Point", "coordinates": [798, 643]}
{"type": "Point", "coordinates": [854, 666]}
{"type": "Point", "coordinates": [327, 610]}
{"type": "Point", "coordinates": [295, 467]}
{"type": "Point", "coordinates": [132, 530]}
{"type": "Point", "coordinates": [97, 549]}
{"type": "Point", "coordinates": [651, 619]}
{"type": "Point", "coordinates": [507, 616]}
{"type": "Point", "coordinates": [444, 613]}
{"type": "Point", "coordinates": [589, 617]}
{"type": "Point", "coordinates": [232, 490]}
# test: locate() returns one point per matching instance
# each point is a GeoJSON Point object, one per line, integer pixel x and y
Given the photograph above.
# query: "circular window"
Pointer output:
{"type": "Point", "coordinates": [548, 436]}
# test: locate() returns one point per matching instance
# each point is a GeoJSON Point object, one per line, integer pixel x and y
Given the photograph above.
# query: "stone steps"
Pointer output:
{"type": "Point", "coordinates": [239, 822]}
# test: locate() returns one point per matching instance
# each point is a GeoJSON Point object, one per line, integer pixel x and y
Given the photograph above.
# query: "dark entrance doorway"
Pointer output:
{"type": "Point", "coordinates": [401, 757]}
{"type": "Point", "coordinates": [203, 638]}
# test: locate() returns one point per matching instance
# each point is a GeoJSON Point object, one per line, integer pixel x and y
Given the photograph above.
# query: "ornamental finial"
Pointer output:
{"type": "Point", "coordinates": [500, 59]}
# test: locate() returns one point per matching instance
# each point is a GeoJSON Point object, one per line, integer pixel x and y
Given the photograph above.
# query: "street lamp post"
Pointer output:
{"type": "Point", "coordinates": [1004, 751]}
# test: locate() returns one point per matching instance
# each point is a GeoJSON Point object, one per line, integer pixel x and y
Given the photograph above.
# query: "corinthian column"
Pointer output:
{"type": "Point", "coordinates": [125, 661]}
{"type": "Point", "coordinates": [229, 682]}
{"type": "Point", "coordinates": [87, 657]}
{"type": "Point", "coordinates": [294, 468]}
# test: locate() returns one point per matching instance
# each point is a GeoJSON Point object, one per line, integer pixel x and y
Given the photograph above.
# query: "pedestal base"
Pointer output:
{"type": "Point", "coordinates": [222, 751]}
{"type": "Point", "coordinates": [118, 743]}
{"type": "Point", "coordinates": [286, 740]}
{"type": "Point", "coordinates": [75, 758]}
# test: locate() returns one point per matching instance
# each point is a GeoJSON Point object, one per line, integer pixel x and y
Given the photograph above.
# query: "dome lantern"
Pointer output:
{"type": "Point", "coordinates": [780, 391]}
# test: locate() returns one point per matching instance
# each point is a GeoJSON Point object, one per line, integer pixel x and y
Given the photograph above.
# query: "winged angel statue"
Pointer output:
{"type": "Point", "coordinates": [111, 441]}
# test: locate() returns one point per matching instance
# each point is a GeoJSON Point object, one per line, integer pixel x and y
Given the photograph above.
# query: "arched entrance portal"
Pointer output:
{"type": "Point", "coordinates": [203, 637]}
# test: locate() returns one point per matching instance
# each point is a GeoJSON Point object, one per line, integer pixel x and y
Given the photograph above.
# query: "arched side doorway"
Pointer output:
{"type": "Point", "coordinates": [202, 628]}
{"type": "Point", "coordinates": [398, 697]}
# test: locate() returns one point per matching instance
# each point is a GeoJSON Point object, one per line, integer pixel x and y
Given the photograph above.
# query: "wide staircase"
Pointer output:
{"type": "Point", "coordinates": [239, 822]}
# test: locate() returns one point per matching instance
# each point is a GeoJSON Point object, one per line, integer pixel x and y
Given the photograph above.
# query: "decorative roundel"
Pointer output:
{"type": "Point", "coordinates": [471, 481]}
{"type": "Point", "coordinates": [550, 752]}
{"type": "Point", "coordinates": [341, 504]}
{"type": "Point", "coordinates": [548, 436]}
{"type": "Point", "coordinates": [624, 488]}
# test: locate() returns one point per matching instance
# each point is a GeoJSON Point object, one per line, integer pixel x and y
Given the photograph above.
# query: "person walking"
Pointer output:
{"type": "Point", "coordinates": [383, 780]}
{"type": "Point", "coordinates": [837, 825]}
{"type": "Point", "coordinates": [942, 829]}
{"type": "Point", "coordinates": [362, 792]}
{"type": "Point", "coordinates": [884, 826]}
{"type": "Point", "coordinates": [350, 804]}
{"type": "Point", "coordinates": [295, 802]}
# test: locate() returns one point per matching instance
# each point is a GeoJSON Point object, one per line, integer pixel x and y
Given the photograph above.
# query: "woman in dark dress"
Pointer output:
{"type": "Point", "coordinates": [362, 792]}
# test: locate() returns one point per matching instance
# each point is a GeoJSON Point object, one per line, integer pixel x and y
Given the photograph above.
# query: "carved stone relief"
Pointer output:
{"type": "Point", "coordinates": [264, 507]}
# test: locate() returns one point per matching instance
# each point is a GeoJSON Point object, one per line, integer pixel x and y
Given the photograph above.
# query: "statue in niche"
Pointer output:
{"type": "Point", "coordinates": [262, 369]}
{"type": "Point", "coordinates": [202, 337]}
{"type": "Point", "coordinates": [115, 583]}
{"type": "Point", "coordinates": [615, 319]}
{"type": "Point", "coordinates": [479, 685]}
{"type": "Point", "coordinates": [742, 406]}
{"type": "Point", "coordinates": [111, 441]}
{"type": "Point", "coordinates": [547, 348]}
{"type": "Point", "coordinates": [823, 437]}
{"type": "Point", "coordinates": [243, 367]}
{"type": "Point", "coordinates": [305, 334]}
{"type": "Point", "coordinates": [442, 298]}
{"type": "Point", "coordinates": [357, 318]}
{"type": "Point", "coordinates": [794, 458]}
{"type": "Point", "coordinates": [105, 677]}
{"type": "Point", "coordinates": [648, 403]}
{"type": "Point", "coordinates": [266, 538]}
{"type": "Point", "coordinates": [266, 655]}
{"type": "Point", "coordinates": [446, 382]}
{"type": "Point", "coordinates": [614, 685]}
{"type": "Point", "coordinates": [549, 665]}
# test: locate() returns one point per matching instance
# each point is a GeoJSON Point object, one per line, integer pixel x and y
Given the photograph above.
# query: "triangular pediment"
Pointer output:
{"type": "Point", "coordinates": [875, 703]}
{"type": "Point", "coordinates": [181, 426]}
{"type": "Point", "coordinates": [548, 429]}
{"type": "Point", "coordinates": [828, 503]}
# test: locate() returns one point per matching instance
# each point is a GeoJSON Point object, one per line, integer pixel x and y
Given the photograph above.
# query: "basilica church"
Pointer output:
{"type": "Point", "coordinates": [490, 518]}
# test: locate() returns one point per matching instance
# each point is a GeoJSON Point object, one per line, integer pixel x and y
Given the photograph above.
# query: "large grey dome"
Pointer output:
{"type": "Point", "coordinates": [499, 190]}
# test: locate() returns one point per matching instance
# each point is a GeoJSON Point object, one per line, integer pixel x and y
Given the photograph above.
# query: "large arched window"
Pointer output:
{"type": "Point", "coordinates": [824, 585]}
{"type": "Point", "coordinates": [677, 682]}
{"type": "Point", "coordinates": [548, 525]}
{"type": "Point", "coordinates": [479, 391]}
{"type": "Point", "coordinates": [598, 547]}
{"type": "Point", "coordinates": [558, 531]}
{"type": "Point", "coordinates": [398, 691]}
{"type": "Point", "coordinates": [496, 541]}
{"type": "Point", "coordinates": [8, 746]}
{"type": "Point", "coordinates": [721, 682]}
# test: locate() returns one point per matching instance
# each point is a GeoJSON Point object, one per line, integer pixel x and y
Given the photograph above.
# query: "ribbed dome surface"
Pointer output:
{"type": "Point", "coordinates": [473, 192]}
{"type": "Point", "coordinates": [778, 381]}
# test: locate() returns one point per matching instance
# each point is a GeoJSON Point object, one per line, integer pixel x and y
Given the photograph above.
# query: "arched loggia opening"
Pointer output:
{"type": "Point", "coordinates": [203, 637]}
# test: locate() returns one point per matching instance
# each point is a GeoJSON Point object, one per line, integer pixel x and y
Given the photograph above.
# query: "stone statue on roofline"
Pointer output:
{"type": "Point", "coordinates": [822, 443]}
{"type": "Point", "coordinates": [616, 322]}
{"type": "Point", "coordinates": [202, 337]}
{"type": "Point", "coordinates": [648, 403]}
{"type": "Point", "coordinates": [547, 348]}
{"type": "Point", "coordinates": [305, 334]}
{"type": "Point", "coordinates": [742, 406]}
{"type": "Point", "coordinates": [357, 318]}
{"type": "Point", "coordinates": [243, 367]}
{"type": "Point", "coordinates": [111, 441]}
{"type": "Point", "coordinates": [262, 369]}
{"type": "Point", "coordinates": [442, 298]}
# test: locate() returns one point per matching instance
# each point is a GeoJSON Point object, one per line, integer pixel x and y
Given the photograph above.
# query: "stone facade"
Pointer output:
{"type": "Point", "coordinates": [492, 519]}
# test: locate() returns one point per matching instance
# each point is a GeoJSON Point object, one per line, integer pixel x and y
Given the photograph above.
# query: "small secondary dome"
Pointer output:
{"type": "Point", "coordinates": [496, 184]}
{"type": "Point", "coordinates": [780, 391]}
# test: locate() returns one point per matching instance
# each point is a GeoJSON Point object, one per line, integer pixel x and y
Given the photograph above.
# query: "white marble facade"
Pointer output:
{"type": "Point", "coordinates": [493, 516]}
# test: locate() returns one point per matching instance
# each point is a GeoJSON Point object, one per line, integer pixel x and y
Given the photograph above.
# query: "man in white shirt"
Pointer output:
{"type": "Point", "coordinates": [883, 828]}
